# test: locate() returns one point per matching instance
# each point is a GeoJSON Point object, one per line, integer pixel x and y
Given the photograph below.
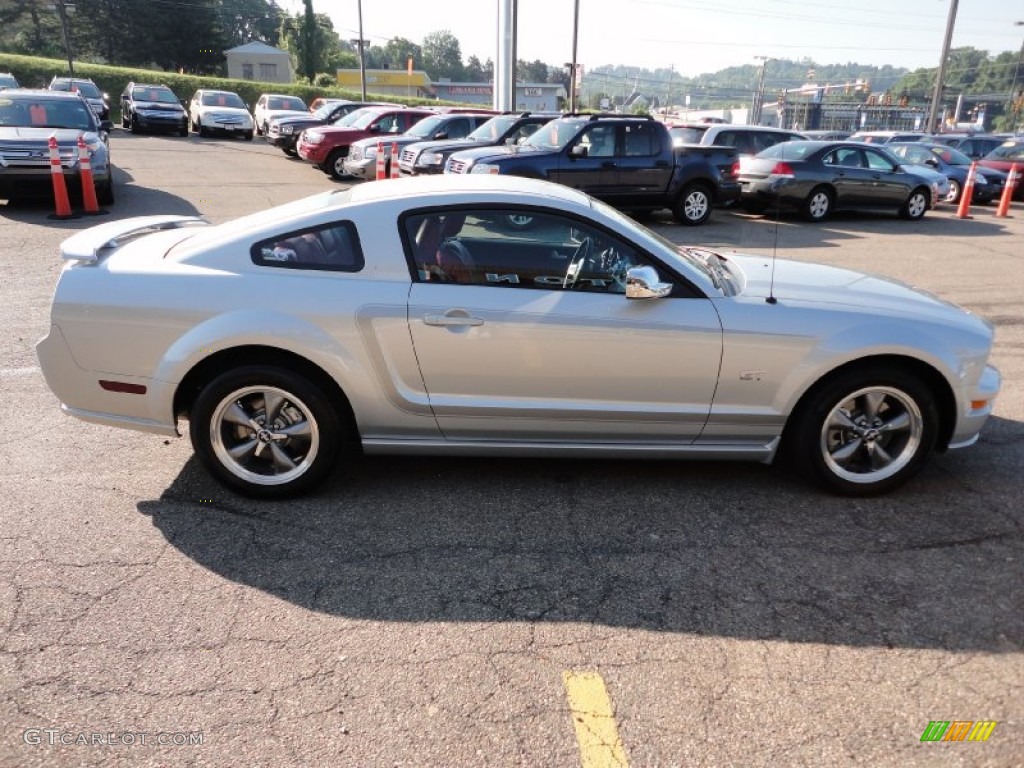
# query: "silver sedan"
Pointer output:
{"type": "Point", "coordinates": [414, 317]}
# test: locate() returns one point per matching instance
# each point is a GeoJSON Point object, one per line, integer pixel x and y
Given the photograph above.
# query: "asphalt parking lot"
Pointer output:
{"type": "Point", "coordinates": [440, 612]}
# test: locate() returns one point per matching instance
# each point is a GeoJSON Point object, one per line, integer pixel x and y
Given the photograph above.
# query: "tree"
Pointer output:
{"type": "Point", "coordinates": [326, 48]}
{"type": "Point", "coordinates": [309, 52]}
{"type": "Point", "coordinates": [442, 56]}
{"type": "Point", "coordinates": [532, 72]}
{"type": "Point", "coordinates": [397, 52]}
{"type": "Point", "coordinates": [245, 21]}
{"type": "Point", "coordinates": [475, 71]}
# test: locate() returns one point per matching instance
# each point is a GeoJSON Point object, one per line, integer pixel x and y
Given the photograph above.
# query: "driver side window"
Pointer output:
{"type": "Point", "coordinates": [517, 248]}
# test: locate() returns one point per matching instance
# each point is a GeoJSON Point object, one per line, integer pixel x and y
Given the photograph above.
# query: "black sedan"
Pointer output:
{"type": "Point", "coordinates": [956, 166]}
{"type": "Point", "coordinates": [818, 177]}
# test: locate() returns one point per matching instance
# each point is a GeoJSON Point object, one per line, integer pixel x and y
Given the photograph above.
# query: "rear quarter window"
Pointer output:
{"type": "Point", "coordinates": [332, 247]}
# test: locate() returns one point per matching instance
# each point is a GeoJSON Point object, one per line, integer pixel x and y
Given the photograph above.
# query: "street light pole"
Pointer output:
{"type": "Point", "coordinates": [941, 76]}
{"type": "Point", "coordinates": [362, 56]}
{"type": "Point", "coordinates": [62, 11]}
{"type": "Point", "coordinates": [572, 71]}
{"type": "Point", "coordinates": [759, 98]}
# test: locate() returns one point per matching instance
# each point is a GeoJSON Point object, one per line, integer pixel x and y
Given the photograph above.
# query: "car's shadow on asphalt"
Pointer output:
{"type": "Point", "coordinates": [715, 549]}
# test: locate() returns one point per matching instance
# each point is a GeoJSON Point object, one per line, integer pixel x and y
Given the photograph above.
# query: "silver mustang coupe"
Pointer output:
{"type": "Point", "coordinates": [415, 317]}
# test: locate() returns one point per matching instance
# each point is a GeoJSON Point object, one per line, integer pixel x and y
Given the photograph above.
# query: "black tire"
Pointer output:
{"type": "Point", "coordinates": [311, 452]}
{"type": "Point", "coordinates": [199, 127]}
{"type": "Point", "coordinates": [917, 204]}
{"type": "Point", "coordinates": [105, 193]}
{"type": "Point", "coordinates": [290, 151]}
{"type": "Point", "coordinates": [133, 124]}
{"type": "Point", "coordinates": [184, 130]}
{"type": "Point", "coordinates": [693, 206]}
{"type": "Point", "coordinates": [335, 165]}
{"type": "Point", "coordinates": [865, 431]}
{"type": "Point", "coordinates": [818, 205]}
{"type": "Point", "coordinates": [125, 119]}
{"type": "Point", "coordinates": [248, 136]}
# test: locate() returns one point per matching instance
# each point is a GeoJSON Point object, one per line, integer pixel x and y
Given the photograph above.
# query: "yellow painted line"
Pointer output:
{"type": "Point", "coordinates": [594, 721]}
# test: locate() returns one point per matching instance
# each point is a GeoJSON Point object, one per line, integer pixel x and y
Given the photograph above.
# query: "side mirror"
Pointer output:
{"type": "Point", "coordinates": [374, 129]}
{"type": "Point", "coordinates": [932, 162]}
{"type": "Point", "coordinates": [441, 135]}
{"type": "Point", "coordinates": [578, 150]}
{"type": "Point", "coordinates": [644, 283]}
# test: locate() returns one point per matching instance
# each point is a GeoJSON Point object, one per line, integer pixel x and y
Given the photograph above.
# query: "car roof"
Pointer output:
{"type": "Point", "coordinates": [40, 93]}
{"type": "Point", "coordinates": [440, 184]}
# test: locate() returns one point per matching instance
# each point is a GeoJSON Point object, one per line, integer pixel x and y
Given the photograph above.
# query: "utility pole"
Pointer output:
{"type": "Point", "coordinates": [1011, 108]}
{"type": "Point", "coordinates": [937, 96]}
{"type": "Point", "coordinates": [572, 70]}
{"type": "Point", "coordinates": [362, 55]}
{"type": "Point", "coordinates": [62, 10]}
{"type": "Point", "coordinates": [759, 96]}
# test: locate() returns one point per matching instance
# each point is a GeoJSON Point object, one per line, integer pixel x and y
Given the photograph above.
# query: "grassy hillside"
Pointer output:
{"type": "Point", "coordinates": [34, 72]}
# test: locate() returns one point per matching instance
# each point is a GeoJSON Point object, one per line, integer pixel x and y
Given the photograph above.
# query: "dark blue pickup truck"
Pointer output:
{"type": "Point", "coordinates": [625, 160]}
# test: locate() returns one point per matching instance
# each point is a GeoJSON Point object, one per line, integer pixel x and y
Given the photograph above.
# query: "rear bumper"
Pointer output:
{"type": "Point", "coordinates": [81, 395]}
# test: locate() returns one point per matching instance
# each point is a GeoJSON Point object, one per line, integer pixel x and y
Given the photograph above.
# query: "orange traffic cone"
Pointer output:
{"type": "Point", "coordinates": [1011, 183]}
{"type": "Point", "coordinates": [967, 194]}
{"type": "Point", "coordinates": [380, 161]}
{"type": "Point", "coordinates": [60, 188]}
{"type": "Point", "coordinates": [394, 161]}
{"type": "Point", "coordinates": [85, 173]}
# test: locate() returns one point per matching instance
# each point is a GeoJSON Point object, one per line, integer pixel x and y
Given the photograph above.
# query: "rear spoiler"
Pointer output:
{"type": "Point", "coordinates": [87, 245]}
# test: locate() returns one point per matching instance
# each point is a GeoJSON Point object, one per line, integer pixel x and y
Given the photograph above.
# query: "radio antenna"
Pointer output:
{"type": "Point", "coordinates": [775, 243]}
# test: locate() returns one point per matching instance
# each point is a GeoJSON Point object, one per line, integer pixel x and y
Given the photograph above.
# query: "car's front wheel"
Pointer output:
{"type": "Point", "coordinates": [335, 165]}
{"type": "Point", "coordinates": [866, 431]}
{"type": "Point", "coordinates": [265, 431]}
{"type": "Point", "coordinates": [693, 206]}
{"type": "Point", "coordinates": [953, 196]}
{"type": "Point", "coordinates": [915, 206]}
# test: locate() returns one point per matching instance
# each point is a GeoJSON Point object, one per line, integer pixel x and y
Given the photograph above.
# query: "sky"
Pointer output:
{"type": "Point", "coordinates": [695, 36]}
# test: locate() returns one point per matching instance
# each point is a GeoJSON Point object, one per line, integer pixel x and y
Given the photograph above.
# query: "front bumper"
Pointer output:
{"type": "Point", "coordinates": [362, 169]}
{"type": "Point", "coordinates": [36, 182]}
{"type": "Point", "coordinates": [313, 153]}
{"type": "Point", "coordinates": [170, 122]}
{"type": "Point", "coordinates": [971, 420]}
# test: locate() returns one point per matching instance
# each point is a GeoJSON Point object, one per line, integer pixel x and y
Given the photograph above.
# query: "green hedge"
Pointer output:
{"type": "Point", "coordinates": [35, 72]}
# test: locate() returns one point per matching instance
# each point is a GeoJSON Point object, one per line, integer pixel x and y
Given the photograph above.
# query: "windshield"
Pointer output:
{"type": "Point", "coordinates": [679, 251]}
{"type": "Point", "coordinates": [789, 150]}
{"type": "Point", "coordinates": [292, 103]}
{"type": "Point", "coordinates": [351, 117]}
{"type": "Point", "coordinates": [685, 134]}
{"type": "Point", "coordinates": [364, 120]}
{"type": "Point", "coordinates": [1007, 152]}
{"type": "Point", "coordinates": [159, 95]}
{"type": "Point", "coordinates": [424, 128]}
{"type": "Point", "coordinates": [218, 99]}
{"type": "Point", "coordinates": [554, 135]}
{"type": "Point", "coordinates": [951, 156]}
{"type": "Point", "coordinates": [494, 128]}
{"type": "Point", "coordinates": [39, 112]}
{"type": "Point", "coordinates": [88, 90]}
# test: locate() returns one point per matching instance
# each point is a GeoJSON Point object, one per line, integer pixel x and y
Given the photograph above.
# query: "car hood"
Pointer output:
{"type": "Point", "coordinates": [226, 110]}
{"type": "Point", "coordinates": [31, 136]}
{"type": "Point", "coordinates": [443, 145]}
{"type": "Point", "coordinates": [808, 283]}
{"type": "Point", "coordinates": [488, 154]}
{"type": "Point", "coordinates": [277, 114]}
{"type": "Point", "coordinates": [159, 106]}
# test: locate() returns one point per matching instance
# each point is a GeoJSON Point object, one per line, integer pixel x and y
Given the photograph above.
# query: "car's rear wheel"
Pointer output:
{"type": "Point", "coordinates": [265, 431]}
{"type": "Point", "coordinates": [693, 206]}
{"type": "Point", "coordinates": [953, 196]}
{"type": "Point", "coordinates": [916, 205]}
{"type": "Point", "coordinates": [248, 135]}
{"type": "Point", "coordinates": [818, 204]}
{"type": "Point", "coordinates": [335, 165]}
{"type": "Point", "coordinates": [866, 431]}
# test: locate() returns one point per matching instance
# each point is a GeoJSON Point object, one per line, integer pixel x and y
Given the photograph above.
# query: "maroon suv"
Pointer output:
{"type": "Point", "coordinates": [327, 146]}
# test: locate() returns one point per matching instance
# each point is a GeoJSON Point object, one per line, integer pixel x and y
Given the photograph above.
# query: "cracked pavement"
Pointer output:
{"type": "Point", "coordinates": [422, 612]}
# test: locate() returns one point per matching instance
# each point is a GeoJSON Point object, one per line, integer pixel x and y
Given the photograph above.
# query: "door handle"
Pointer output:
{"type": "Point", "coordinates": [447, 320]}
{"type": "Point", "coordinates": [607, 165]}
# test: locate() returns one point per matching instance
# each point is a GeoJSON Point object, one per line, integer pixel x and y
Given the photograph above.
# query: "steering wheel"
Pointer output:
{"type": "Point", "coordinates": [579, 260]}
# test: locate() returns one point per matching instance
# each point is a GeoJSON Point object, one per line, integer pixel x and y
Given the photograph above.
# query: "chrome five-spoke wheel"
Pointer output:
{"type": "Point", "coordinates": [264, 435]}
{"type": "Point", "coordinates": [265, 431]}
{"type": "Point", "coordinates": [872, 434]}
{"type": "Point", "coordinates": [867, 431]}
